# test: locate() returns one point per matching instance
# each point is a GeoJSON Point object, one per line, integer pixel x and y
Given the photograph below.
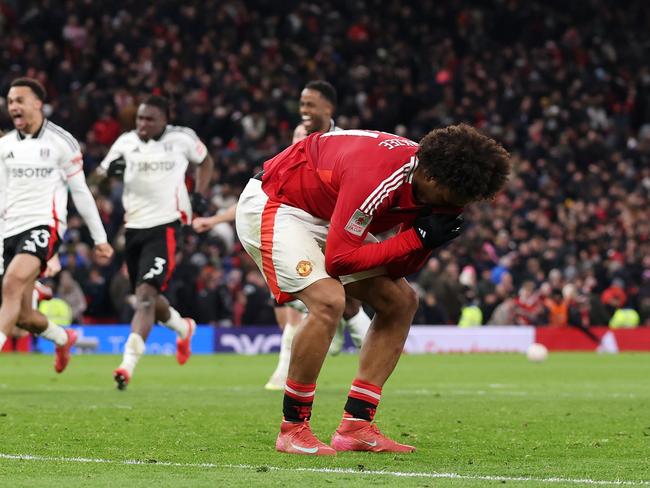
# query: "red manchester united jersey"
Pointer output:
{"type": "Point", "coordinates": [360, 181]}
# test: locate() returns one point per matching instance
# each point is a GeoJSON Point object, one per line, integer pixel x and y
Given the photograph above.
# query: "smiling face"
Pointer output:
{"type": "Point", "coordinates": [25, 109]}
{"type": "Point", "coordinates": [150, 122]}
{"type": "Point", "coordinates": [316, 111]}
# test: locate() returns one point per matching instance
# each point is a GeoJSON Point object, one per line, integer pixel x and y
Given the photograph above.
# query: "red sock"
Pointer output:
{"type": "Point", "coordinates": [298, 399]}
{"type": "Point", "coordinates": [362, 400]}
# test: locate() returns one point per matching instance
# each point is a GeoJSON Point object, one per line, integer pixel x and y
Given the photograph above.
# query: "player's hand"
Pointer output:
{"type": "Point", "coordinates": [53, 267]}
{"type": "Point", "coordinates": [199, 203]}
{"type": "Point", "coordinates": [203, 224]}
{"type": "Point", "coordinates": [116, 168]}
{"type": "Point", "coordinates": [438, 229]}
{"type": "Point", "coordinates": [103, 252]}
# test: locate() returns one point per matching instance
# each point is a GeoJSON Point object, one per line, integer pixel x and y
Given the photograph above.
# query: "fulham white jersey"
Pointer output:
{"type": "Point", "coordinates": [154, 178]}
{"type": "Point", "coordinates": [38, 171]}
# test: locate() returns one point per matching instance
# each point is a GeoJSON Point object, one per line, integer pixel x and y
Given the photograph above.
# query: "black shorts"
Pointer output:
{"type": "Point", "coordinates": [151, 254]}
{"type": "Point", "coordinates": [41, 241]}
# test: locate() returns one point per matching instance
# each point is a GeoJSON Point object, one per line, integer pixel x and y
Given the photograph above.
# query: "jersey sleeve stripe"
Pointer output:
{"type": "Point", "coordinates": [71, 141]}
{"type": "Point", "coordinates": [384, 195]}
{"type": "Point", "coordinates": [76, 172]}
{"type": "Point", "coordinates": [415, 161]}
{"type": "Point", "coordinates": [398, 174]}
{"type": "Point", "coordinates": [390, 184]}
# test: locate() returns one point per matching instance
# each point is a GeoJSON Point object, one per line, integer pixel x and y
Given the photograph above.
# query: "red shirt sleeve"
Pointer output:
{"type": "Point", "coordinates": [361, 198]}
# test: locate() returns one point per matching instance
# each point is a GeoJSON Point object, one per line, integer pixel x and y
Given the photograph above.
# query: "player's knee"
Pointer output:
{"type": "Point", "coordinates": [329, 308]}
{"type": "Point", "coordinates": [396, 300]}
{"type": "Point", "coordinates": [145, 299]}
{"type": "Point", "coordinates": [410, 300]}
{"type": "Point", "coordinates": [12, 286]}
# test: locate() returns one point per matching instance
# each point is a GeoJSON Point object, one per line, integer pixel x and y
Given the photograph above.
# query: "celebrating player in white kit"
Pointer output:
{"type": "Point", "coordinates": [153, 159]}
{"type": "Point", "coordinates": [41, 162]}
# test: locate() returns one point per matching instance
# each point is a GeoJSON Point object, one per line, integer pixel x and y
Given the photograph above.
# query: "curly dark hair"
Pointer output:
{"type": "Point", "coordinates": [462, 159]}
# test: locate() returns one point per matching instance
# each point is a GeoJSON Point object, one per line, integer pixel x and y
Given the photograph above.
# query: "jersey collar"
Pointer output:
{"type": "Point", "coordinates": [38, 134]}
{"type": "Point", "coordinates": [162, 134]}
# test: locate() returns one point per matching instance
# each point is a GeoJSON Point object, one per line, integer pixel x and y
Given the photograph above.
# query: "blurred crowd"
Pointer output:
{"type": "Point", "coordinates": [564, 86]}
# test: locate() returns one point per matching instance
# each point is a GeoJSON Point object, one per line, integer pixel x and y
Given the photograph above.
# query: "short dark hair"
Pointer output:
{"type": "Point", "coordinates": [31, 83]}
{"type": "Point", "coordinates": [467, 162]}
{"type": "Point", "coordinates": [159, 102]}
{"type": "Point", "coordinates": [324, 88]}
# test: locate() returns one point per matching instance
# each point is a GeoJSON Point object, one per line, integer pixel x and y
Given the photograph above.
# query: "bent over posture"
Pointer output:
{"type": "Point", "coordinates": [308, 222]}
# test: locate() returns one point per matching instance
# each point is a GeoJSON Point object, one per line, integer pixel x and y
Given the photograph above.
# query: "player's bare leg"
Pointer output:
{"type": "Point", "coordinates": [325, 300]}
{"type": "Point", "coordinates": [141, 325]}
{"type": "Point", "coordinates": [17, 308]}
{"type": "Point", "coordinates": [22, 270]}
{"type": "Point", "coordinates": [395, 304]}
{"type": "Point", "coordinates": [288, 319]}
{"type": "Point", "coordinates": [169, 317]}
{"type": "Point", "coordinates": [356, 320]}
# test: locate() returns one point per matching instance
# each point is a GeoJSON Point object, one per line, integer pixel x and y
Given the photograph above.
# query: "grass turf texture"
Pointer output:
{"type": "Point", "coordinates": [576, 416]}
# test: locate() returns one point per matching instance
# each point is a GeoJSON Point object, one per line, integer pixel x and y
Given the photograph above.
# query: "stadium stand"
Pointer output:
{"type": "Point", "coordinates": [565, 87]}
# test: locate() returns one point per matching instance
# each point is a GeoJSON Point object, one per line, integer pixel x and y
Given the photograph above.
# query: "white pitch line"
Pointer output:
{"type": "Point", "coordinates": [396, 474]}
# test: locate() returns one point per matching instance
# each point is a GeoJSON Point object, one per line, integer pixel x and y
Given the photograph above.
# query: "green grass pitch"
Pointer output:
{"type": "Point", "coordinates": [477, 420]}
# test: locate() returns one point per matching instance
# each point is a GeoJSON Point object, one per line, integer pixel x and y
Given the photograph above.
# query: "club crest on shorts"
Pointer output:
{"type": "Point", "coordinates": [358, 223]}
{"type": "Point", "coordinates": [304, 268]}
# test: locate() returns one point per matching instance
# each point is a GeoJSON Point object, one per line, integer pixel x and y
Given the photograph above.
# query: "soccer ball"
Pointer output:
{"type": "Point", "coordinates": [537, 352]}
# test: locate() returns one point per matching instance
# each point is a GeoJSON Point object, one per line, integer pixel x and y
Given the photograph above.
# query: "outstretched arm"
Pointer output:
{"type": "Point", "coordinates": [203, 224]}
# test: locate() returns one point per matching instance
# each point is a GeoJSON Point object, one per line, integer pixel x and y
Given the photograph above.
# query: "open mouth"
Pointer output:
{"type": "Point", "coordinates": [18, 119]}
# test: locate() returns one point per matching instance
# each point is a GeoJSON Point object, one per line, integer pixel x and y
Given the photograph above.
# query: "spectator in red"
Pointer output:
{"type": "Point", "coordinates": [107, 128]}
{"type": "Point", "coordinates": [528, 307]}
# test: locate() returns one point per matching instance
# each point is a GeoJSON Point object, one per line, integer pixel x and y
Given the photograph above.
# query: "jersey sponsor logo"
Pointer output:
{"type": "Point", "coordinates": [304, 268]}
{"type": "Point", "coordinates": [30, 172]}
{"type": "Point", "coordinates": [156, 269]}
{"type": "Point", "coordinates": [146, 166]}
{"type": "Point", "coordinates": [358, 223]}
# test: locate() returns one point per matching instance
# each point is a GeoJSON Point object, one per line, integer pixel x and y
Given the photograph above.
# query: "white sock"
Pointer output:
{"type": "Point", "coordinates": [359, 325]}
{"type": "Point", "coordinates": [3, 339]}
{"type": "Point", "coordinates": [55, 333]}
{"type": "Point", "coordinates": [282, 369]}
{"type": "Point", "coordinates": [177, 323]}
{"type": "Point", "coordinates": [133, 349]}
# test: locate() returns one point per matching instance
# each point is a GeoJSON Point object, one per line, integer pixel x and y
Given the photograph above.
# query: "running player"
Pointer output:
{"type": "Point", "coordinates": [317, 246]}
{"type": "Point", "coordinates": [41, 162]}
{"type": "Point", "coordinates": [153, 160]}
{"type": "Point", "coordinates": [19, 339]}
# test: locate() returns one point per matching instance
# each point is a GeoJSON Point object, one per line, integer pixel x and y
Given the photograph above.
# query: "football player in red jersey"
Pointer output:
{"type": "Point", "coordinates": [308, 222]}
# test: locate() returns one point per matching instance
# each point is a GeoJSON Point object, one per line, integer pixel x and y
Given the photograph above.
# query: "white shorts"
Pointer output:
{"type": "Point", "coordinates": [286, 243]}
